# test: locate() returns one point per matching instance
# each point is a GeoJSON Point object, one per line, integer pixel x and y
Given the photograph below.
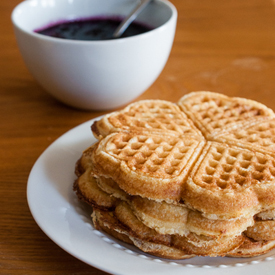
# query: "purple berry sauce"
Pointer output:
{"type": "Point", "coordinates": [91, 29]}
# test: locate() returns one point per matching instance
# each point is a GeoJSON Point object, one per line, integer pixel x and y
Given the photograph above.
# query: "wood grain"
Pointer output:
{"type": "Point", "coordinates": [223, 46]}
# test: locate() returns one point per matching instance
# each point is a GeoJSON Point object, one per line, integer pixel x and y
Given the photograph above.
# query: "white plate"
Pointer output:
{"type": "Point", "coordinates": [67, 222]}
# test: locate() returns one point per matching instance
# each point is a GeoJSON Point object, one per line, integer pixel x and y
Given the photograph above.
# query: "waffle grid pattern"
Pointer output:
{"type": "Point", "coordinates": [155, 115]}
{"type": "Point", "coordinates": [227, 165]}
{"type": "Point", "coordinates": [213, 113]}
{"type": "Point", "coordinates": [261, 136]}
{"type": "Point", "coordinates": [153, 154]}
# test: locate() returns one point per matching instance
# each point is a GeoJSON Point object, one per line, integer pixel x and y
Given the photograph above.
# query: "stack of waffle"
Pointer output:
{"type": "Point", "coordinates": [196, 178]}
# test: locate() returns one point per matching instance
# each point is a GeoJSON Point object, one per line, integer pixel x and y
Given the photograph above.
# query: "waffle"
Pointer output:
{"type": "Point", "coordinates": [260, 136]}
{"type": "Point", "coordinates": [241, 182]}
{"type": "Point", "coordinates": [159, 163]}
{"type": "Point", "coordinates": [163, 217]}
{"type": "Point", "coordinates": [215, 113]}
{"type": "Point", "coordinates": [147, 116]}
{"type": "Point", "coordinates": [124, 221]}
{"type": "Point", "coordinates": [87, 189]}
{"type": "Point", "coordinates": [119, 220]}
{"type": "Point", "coordinates": [239, 176]}
{"type": "Point", "coordinates": [262, 231]}
{"type": "Point", "coordinates": [251, 248]}
{"type": "Point", "coordinates": [196, 178]}
{"type": "Point", "coordinates": [266, 215]}
{"type": "Point", "coordinates": [172, 219]}
{"type": "Point", "coordinates": [105, 221]}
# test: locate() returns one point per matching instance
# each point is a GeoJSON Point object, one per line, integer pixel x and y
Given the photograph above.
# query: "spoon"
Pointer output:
{"type": "Point", "coordinates": [130, 18]}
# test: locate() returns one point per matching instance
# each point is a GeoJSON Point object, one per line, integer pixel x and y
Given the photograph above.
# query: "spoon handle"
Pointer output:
{"type": "Point", "coordinates": [130, 18]}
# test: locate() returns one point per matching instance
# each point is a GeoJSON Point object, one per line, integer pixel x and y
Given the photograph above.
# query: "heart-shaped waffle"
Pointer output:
{"type": "Point", "coordinates": [215, 113]}
{"type": "Point", "coordinates": [152, 166]}
{"type": "Point", "coordinates": [209, 160]}
{"type": "Point", "coordinates": [147, 116]}
{"type": "Point", "coordinates": [259, 136]}
{"type": "Point", "coordinates": [161, 163]}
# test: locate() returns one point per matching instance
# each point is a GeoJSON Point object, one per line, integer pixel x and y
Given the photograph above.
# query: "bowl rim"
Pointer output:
{"type": "Point", "coordinates": [32, 33]}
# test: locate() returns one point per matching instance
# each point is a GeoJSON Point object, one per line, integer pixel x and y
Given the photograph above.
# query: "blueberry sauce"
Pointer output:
{"type": "Point", "coordinates": [91, 29]}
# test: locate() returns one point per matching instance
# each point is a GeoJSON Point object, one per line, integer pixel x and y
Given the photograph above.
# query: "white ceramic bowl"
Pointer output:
{"type": "Point", "coordinates": [94, 75]}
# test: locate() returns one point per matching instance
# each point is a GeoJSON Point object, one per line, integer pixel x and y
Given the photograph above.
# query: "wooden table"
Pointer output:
{"type": "Point", "coordinates": [223, 46]}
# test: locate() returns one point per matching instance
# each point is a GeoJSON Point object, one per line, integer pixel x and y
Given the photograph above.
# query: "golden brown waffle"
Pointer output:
{"type": "Point", "coordinates": [260, 136]}
{"type": "Point", "coordinates": [119, 220]}
{"type": "Point", "coordinates": [124, 221]}
{"type": "Point", "coordinates": [252, 248]}
{"type": "Point", "coordinates": [159, 163]}
{"type": "Point", "coordinates": [111, 188]}
{"type": "Point", "coordinates": [266, 215]}
{"type": "Point", "coordinates": [229, 182]}
{"type": "Point", "coordinates": [264, 227]}
{"type": "Point", "coordinates": [173, 219]}
{"type": "Point", "coordinates": [173, 247]}
{"type": "Point", "coordinates": [147, 116]}
{"type": "Point", "coordinates": [179, 181]}
{"type": "Point", "coordinates": [191, 244]}
{"type": "Point", "coordinates": [106, 221]}
{"type": "Point", "coordinates": [160, 216]}
{"type": "Point", "coordinates": [214, 113]}
{"type": "Point", "coordinates": [87, 189]}
{"type": "Point", "coordinates": [241, 181]}
{"type": "Point", "coordinates": [262, 231]}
